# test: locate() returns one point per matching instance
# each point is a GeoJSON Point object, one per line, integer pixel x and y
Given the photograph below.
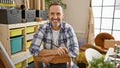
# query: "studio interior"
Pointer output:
{"type": "Point", "coordinates": [95, 23]}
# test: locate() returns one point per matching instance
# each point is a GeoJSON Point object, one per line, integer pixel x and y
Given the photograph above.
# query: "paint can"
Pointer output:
{"type": "Point", "coordinates": [118, 49]}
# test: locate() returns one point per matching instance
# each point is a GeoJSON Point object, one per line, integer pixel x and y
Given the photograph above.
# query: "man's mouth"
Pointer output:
{"type": "Point", "coordinates": [55, 19]}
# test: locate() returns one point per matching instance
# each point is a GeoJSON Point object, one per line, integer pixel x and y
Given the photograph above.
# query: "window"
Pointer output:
{"type": "Point", "coordinates": [107, 17]}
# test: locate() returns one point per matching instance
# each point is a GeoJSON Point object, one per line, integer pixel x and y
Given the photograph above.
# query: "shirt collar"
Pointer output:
{"type": "Point", "coordinates": [62, 25]}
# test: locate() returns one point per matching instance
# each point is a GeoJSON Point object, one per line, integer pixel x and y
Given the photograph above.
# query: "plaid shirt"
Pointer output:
{"type": "Point", "coordinates": [66, 37]}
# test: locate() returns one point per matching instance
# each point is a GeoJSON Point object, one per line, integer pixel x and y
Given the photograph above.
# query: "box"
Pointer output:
{"type": "Point", "coordinates": [28, 44]}
{"type": "Point", "coordinates": [29, 36]}
{"type": "Point", "coordinates": [16, 44]}
{"type": "Point", "coordinates": [18, 65]}
{"type": "Point", "coordinates": [110, 43]}
{"type": "Point", "coordinates": [42, 14]}
{"type": "Point", "coordinates": [39, 13]}
{"type": "Point", "coordinates": [30, 29]}
{"type": "Point", "coordinates": [15, 32]}
{"type": "Point", "coordinates": [29, 15]}
{"type": "Point", "coordinates": [30, 59]}
{"type": "Point", "coordinates": [10, 16]}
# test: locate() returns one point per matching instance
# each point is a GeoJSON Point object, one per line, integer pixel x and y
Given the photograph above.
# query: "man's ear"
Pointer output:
{"type": "Point", "coordinates": [48, 15]}
{"type": "Point", "coordinates": [63, 15]}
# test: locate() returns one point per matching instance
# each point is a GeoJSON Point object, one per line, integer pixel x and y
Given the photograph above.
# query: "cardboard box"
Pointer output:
{"type": "Point", "coordinates": [111, 43]}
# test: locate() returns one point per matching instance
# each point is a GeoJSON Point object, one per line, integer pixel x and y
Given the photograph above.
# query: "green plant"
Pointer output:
{"type": "Point", "coordinates": [48, 2]}
{"type": "Point", "coordinates": [100, 63]}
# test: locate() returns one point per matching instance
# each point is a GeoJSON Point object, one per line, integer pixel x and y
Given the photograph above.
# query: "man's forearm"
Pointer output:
{"type": "Point", "coordinates": [59, 51]}
{"type": "Point", "coordinates": [46, 52]}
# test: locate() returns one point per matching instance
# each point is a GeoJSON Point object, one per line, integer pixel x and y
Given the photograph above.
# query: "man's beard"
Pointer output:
{"type": "Point", "coordinates": [55, 22]}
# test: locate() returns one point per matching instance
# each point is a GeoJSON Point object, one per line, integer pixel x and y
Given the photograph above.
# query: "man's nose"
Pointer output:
{"type": "Point", "coordinates": [55, 16]}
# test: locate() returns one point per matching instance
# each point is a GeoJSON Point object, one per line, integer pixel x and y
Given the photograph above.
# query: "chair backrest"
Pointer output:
{"type": "Point", "coordinates": [110, 51]}
{"type": "Point", "coordinates": [99, 39]}
{"type": "Point", "coordinates": [91, 53]}
{"type": "Point", "coordinates": [57, 59]}
{"type": "Point", "coordinates": [5, 57]}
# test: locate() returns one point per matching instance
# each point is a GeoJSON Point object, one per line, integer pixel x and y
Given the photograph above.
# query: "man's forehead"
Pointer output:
{"type": "Point", "coordinates": [55, 8]}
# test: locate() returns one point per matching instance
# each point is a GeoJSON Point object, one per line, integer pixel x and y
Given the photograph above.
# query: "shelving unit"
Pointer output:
{"type": "Point", "coordinates": [5, 4]}
{"type": "Point", "coordinates": [5, 40]}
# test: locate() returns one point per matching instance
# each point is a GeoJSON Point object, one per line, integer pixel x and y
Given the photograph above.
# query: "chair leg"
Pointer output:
{"type": "Point", "coordinates": [36, 64]}
{"type": "Point", "coordinates": [69, 64]}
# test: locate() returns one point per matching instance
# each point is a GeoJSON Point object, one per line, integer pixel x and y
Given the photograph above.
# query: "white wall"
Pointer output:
{"type": "Point", "coordinates": [77, 14]}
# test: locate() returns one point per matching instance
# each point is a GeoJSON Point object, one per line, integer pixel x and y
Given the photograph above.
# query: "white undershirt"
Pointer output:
{"type": "Point", "coordinates": [55, 37]}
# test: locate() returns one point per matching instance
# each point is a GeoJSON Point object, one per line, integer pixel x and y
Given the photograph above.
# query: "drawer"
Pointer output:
{"type": "Point", "coordinates": [30, 59]}
{"type": "Point", "coordinates": [18, 65]}
{"type": "Point", "coordinates": [29, 36]}
{"type": "Point", "coordinates": [28, 44]}
{"type": "Point", "coordinates": [30, 29]}
{"type": "Point", "coordinates": [16, 44]}
{"type": "Point", "coordinates": [16, 32]}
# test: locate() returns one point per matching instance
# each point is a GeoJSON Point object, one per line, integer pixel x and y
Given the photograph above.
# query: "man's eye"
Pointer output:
{"type": "Point", "coordinates": [58, 13]}
{"type": "Point", "coordinates": [52, 13]}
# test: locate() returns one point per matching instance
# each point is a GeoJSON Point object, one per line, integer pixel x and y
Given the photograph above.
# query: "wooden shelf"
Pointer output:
{"type": "Point", "coordinates": [4, 4]}
{"type": "Point", "coordinates": [11, 26]}
{"type": "Point", "coordinates": [20, 56]}
{"type": "Point", "coordinates": [24, 54]}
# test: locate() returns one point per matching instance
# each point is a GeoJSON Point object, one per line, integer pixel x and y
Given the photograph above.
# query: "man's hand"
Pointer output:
{"type": "Point", "coordinates": [48, 55]}
{"type": "Point", "coordinates": [61, 51]}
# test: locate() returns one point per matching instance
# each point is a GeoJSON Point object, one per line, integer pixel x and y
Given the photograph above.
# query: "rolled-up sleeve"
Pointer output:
{"type": "Point", "coordinates": [73, 48]}
{"type": "Point", "coordinates": [36, 42]}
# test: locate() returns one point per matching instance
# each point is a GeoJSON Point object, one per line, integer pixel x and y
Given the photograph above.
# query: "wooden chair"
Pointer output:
{"type": "Point", "coordinates": [57, 59]}
{"type": "Point", "coordinates": [91, 53]}
{"type": "Point", "coordinates": [5, 60]}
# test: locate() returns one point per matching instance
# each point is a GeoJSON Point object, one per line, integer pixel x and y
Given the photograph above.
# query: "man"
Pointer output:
{"type": "Point", "coordinates": [58, 38]}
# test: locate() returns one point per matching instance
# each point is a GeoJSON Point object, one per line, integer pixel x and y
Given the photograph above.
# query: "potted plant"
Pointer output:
{"type": "Point", "coordinates": [100, 63]}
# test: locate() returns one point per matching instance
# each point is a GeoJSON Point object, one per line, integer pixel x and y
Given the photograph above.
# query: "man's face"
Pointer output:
{"type": "Point", "coordinates": [55, 15]}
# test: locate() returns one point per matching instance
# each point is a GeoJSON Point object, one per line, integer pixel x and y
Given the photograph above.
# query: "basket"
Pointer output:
{"type": "Point", "coordinates": [28, 44]}
{"type": "Point", "coordinates": [16, 32]}
{"type": "Point", "coordinates": [18, 65]}
{"type": "Point", "coordinates": [30, 29]}
{"type": "Point", "coordinates": [16, 44]}
{"type": "Point", "coordinates": [30, 59]}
